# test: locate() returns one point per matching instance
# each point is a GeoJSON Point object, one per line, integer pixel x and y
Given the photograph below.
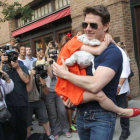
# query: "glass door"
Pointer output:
{"type": "Point", "coordinates": [37, 43]}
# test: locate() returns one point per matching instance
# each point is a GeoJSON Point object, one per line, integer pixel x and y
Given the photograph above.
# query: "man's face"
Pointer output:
{"type": "Point", "coordinates": [23, 51]}
{"type": "Point", "coordinates": [14, 64]}
{"type": "Point", "coordinates": [40, 54]}
{"type": "Point", "coordinates": [28, 51]}
{"type": "Point", "coordinates": [94, 33]}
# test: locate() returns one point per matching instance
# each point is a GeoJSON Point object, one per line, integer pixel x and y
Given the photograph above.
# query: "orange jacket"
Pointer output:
{"type": "Point", "coordinates": [64, 87]}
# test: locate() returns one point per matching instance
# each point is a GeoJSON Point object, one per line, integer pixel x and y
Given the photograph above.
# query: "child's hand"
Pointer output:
{"type": "Point", "coordinates": [108, 39]}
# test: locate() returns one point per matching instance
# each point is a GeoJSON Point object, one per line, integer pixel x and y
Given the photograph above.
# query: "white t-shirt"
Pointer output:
{"type": "Point", "coordinates": [125, 73]}
{"type": "Point", "coordinates": [5, 89]}
{"type": "Point", "coordinates": [26, 62]}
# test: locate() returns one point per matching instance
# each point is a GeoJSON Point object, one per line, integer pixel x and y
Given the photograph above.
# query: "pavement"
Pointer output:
{"type": "Point", "coordinates": [134, 126]}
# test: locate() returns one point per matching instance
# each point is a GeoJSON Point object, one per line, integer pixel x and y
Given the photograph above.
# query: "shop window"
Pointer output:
{"type": "Point", "coordinates": [26, 44]}
{"type": "Point", "coordinates": [50, 7]}
{"type": "Point", "coordinates": [61, 3]}
{"type": "Point", "coordinates": [56, 4]}
{"type": "Point", "coordinates": [33, 15]}
{"type": "Point", "coordinates": [36, 14]}
{"type": "Point", "coordinates": [39, 12]}
{"type": "Point", "coordinates": [46, 9]}
{"type": "Point", "coordinates": [43, 10]}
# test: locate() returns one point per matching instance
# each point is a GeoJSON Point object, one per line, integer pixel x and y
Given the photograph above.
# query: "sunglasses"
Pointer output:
{"type": "Point", "coordinates": [92, 25]}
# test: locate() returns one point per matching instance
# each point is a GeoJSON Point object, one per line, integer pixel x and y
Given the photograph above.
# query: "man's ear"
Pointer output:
{"type": "Point", "coordinates": [106, 26]}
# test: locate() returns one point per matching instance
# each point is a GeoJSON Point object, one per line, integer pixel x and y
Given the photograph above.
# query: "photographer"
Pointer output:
{"type": "Point", "coordinates": [17, 100]}
{"type": "Point", "coordinates": [6, 86]}
{"type": "Point", "coordinates": [36, 87]}
{"type": "Point", "coordinates": [55, 107]}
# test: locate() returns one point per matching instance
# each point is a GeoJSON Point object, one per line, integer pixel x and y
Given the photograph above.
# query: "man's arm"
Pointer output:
{"type": "Point", "coordinates": [24, 77]}
{"type": "Point", "coordinates": [29, 85]}
{"type": "Point", "coordinates": [102, 77]}
{"type": "Point", "coordinates": [45, 89]}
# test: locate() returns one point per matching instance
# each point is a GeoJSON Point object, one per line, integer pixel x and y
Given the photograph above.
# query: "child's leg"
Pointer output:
{"type": "Point", "coordinates": [105, 103]}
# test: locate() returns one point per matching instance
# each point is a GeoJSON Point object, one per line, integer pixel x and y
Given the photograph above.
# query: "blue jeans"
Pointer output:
{"type": "Point", "coordinates": [96, 124]}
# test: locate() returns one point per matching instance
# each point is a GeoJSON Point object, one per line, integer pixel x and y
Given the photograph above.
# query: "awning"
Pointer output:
{"type": "Point", "coordinates": [42, 22]}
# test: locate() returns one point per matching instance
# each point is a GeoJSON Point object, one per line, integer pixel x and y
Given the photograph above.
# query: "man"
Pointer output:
{"type": "Point", "coordinates": [36, 87]}
{"type": "Point", "coordinates": [29, 56]}
{"type": "Point", "coordinates": [122, 91]}
{"type": "Point", "coordinates": [93, 122]}
{"type": "Point", "coordinates": [17, 101]}
{"type": "Point", "coordinates": [6, 86]}
{"type": "Point", "coordinates": [55, 107]}
{"type": "Point", "coordinates": [22, 57]}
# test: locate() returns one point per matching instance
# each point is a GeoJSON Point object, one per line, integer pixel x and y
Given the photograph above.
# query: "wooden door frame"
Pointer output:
{"type": "Point", "coordinates": [33, 44]}
{"type": "Point", "coordinates": [61, 31]}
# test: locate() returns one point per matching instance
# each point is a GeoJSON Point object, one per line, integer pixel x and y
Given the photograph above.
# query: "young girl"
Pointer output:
{"type": "Point", "coordinates": [78, 95]}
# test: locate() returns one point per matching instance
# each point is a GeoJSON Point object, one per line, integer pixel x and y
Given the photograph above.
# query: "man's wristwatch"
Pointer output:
{"type": "Point", "coordinates": [119, 86]}
{"type": "Point", "coordinates": [43, 86]}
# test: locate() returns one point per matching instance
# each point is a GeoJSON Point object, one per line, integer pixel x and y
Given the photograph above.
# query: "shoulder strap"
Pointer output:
{"type": "Point", "coordinates": [34, 63]}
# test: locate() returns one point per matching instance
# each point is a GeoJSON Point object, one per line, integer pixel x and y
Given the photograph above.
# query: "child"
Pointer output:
{"type": "Point", "coordinates": [78, 95]}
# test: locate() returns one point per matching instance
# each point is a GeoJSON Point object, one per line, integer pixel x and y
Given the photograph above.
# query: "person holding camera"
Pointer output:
{"type": "Point", "coordinates": [17, 100]}
{"type": "Point", "coordinates": [38, 85]}
{"type": "Point", "coordinates": [6, 86]}
{"type": "Point", "coordinates": [55, 107]}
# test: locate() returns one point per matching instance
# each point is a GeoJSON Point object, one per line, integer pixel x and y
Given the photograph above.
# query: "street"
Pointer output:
{"type": "Point", "coordinates": [134, 126]}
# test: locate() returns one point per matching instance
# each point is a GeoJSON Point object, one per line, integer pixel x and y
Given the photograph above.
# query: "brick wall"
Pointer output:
{"type": "Point", "coordinates": [8, 26]}
{"type": "Point", "coordinates": [120, 26]}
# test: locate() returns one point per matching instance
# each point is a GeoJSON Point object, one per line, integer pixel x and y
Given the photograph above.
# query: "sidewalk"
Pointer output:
{"type": "Point", "coordinates": [134, 126]}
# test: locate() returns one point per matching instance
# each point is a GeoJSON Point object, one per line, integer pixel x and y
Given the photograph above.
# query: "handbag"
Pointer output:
{"type": "Point", "coordinates": [4, 113]}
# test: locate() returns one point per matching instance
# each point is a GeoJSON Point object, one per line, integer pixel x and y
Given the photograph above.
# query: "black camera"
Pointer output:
{"type": "Point", "coordinates": [53, 44]}
{"type": "Point", "coordinates": [5, 47]}
{"type": "Point", "coordinates": [53, 55]}
{"type": "Point", "coordinates": [42, 71]}
{"type": "Point", "coordinates": [11, 53]}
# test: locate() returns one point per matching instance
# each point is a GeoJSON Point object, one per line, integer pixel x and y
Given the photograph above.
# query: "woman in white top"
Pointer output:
{"type": "Point", "coordinates": [6, 86]}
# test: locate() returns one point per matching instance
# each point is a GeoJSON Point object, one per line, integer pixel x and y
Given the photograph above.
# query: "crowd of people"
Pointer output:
{"type": "Point", "coordinates": [87, 72]}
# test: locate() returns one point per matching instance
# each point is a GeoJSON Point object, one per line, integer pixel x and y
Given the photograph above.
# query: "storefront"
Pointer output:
{"type": "Point", "coordinates": [42, 28]}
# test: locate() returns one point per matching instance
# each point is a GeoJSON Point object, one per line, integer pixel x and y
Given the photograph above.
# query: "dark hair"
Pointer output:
{"type": "Point", "coordinates": [38, 49]}
{"type": "Point", "coordinates": [65, 38]}
{"type": "Point", "coordinates": [99, 10]}
{"type": "Point", "coordinates": [77, 29]}
{"type": "Point", "coordinates": [63, 41]}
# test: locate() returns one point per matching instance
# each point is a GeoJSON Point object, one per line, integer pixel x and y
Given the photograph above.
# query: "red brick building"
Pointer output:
{"type": "Point", "coordinates": [53, 18]}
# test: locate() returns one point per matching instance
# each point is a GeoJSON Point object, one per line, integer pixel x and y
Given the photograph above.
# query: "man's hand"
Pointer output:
{"type": "Point", "coordinates": [118, 90]}
{"type": "Point", "coordinates": [33, 72]}
{"type": "Point", "coordinates": [42, 81]}
{"type": "Point", "coordinates": [6, 76]}
{"type": "Point", "coordinates": [67, 103]}
{"type": "Point", "coordinates": [108, 39]}
{"type": "Point", "coordinates": [59, 70]}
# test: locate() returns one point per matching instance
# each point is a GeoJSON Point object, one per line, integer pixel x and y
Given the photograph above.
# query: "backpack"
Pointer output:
{"type": "Point", "coordinates": [38, 136]}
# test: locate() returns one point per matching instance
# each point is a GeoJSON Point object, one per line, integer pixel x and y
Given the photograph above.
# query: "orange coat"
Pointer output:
{"type": "Point", "coordinates": [64, 87]}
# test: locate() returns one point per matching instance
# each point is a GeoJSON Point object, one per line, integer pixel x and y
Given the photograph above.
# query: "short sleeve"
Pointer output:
{"type": "Point", "coordinates": [126, 66]}
{"type": "Point", "coordinates": [24, 68]}
{"type": "Point", "coordinates": [112, 58]}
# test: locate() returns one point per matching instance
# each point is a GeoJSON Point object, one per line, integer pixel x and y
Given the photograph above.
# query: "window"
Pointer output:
{"type": "Point", "coordinates": [61, 3]}
{"type": "Point", "coordinates": [44, 10]}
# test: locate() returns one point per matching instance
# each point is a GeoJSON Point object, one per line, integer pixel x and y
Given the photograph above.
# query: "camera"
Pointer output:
{"type": "Point", "coordinates": [10, 52]}
{"type": "Point", "coordinates": [42, 71]}
{"type": "Point", "coordinates": [53, 55]}
{"type": "Point", "coordinates": [53, 44]}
